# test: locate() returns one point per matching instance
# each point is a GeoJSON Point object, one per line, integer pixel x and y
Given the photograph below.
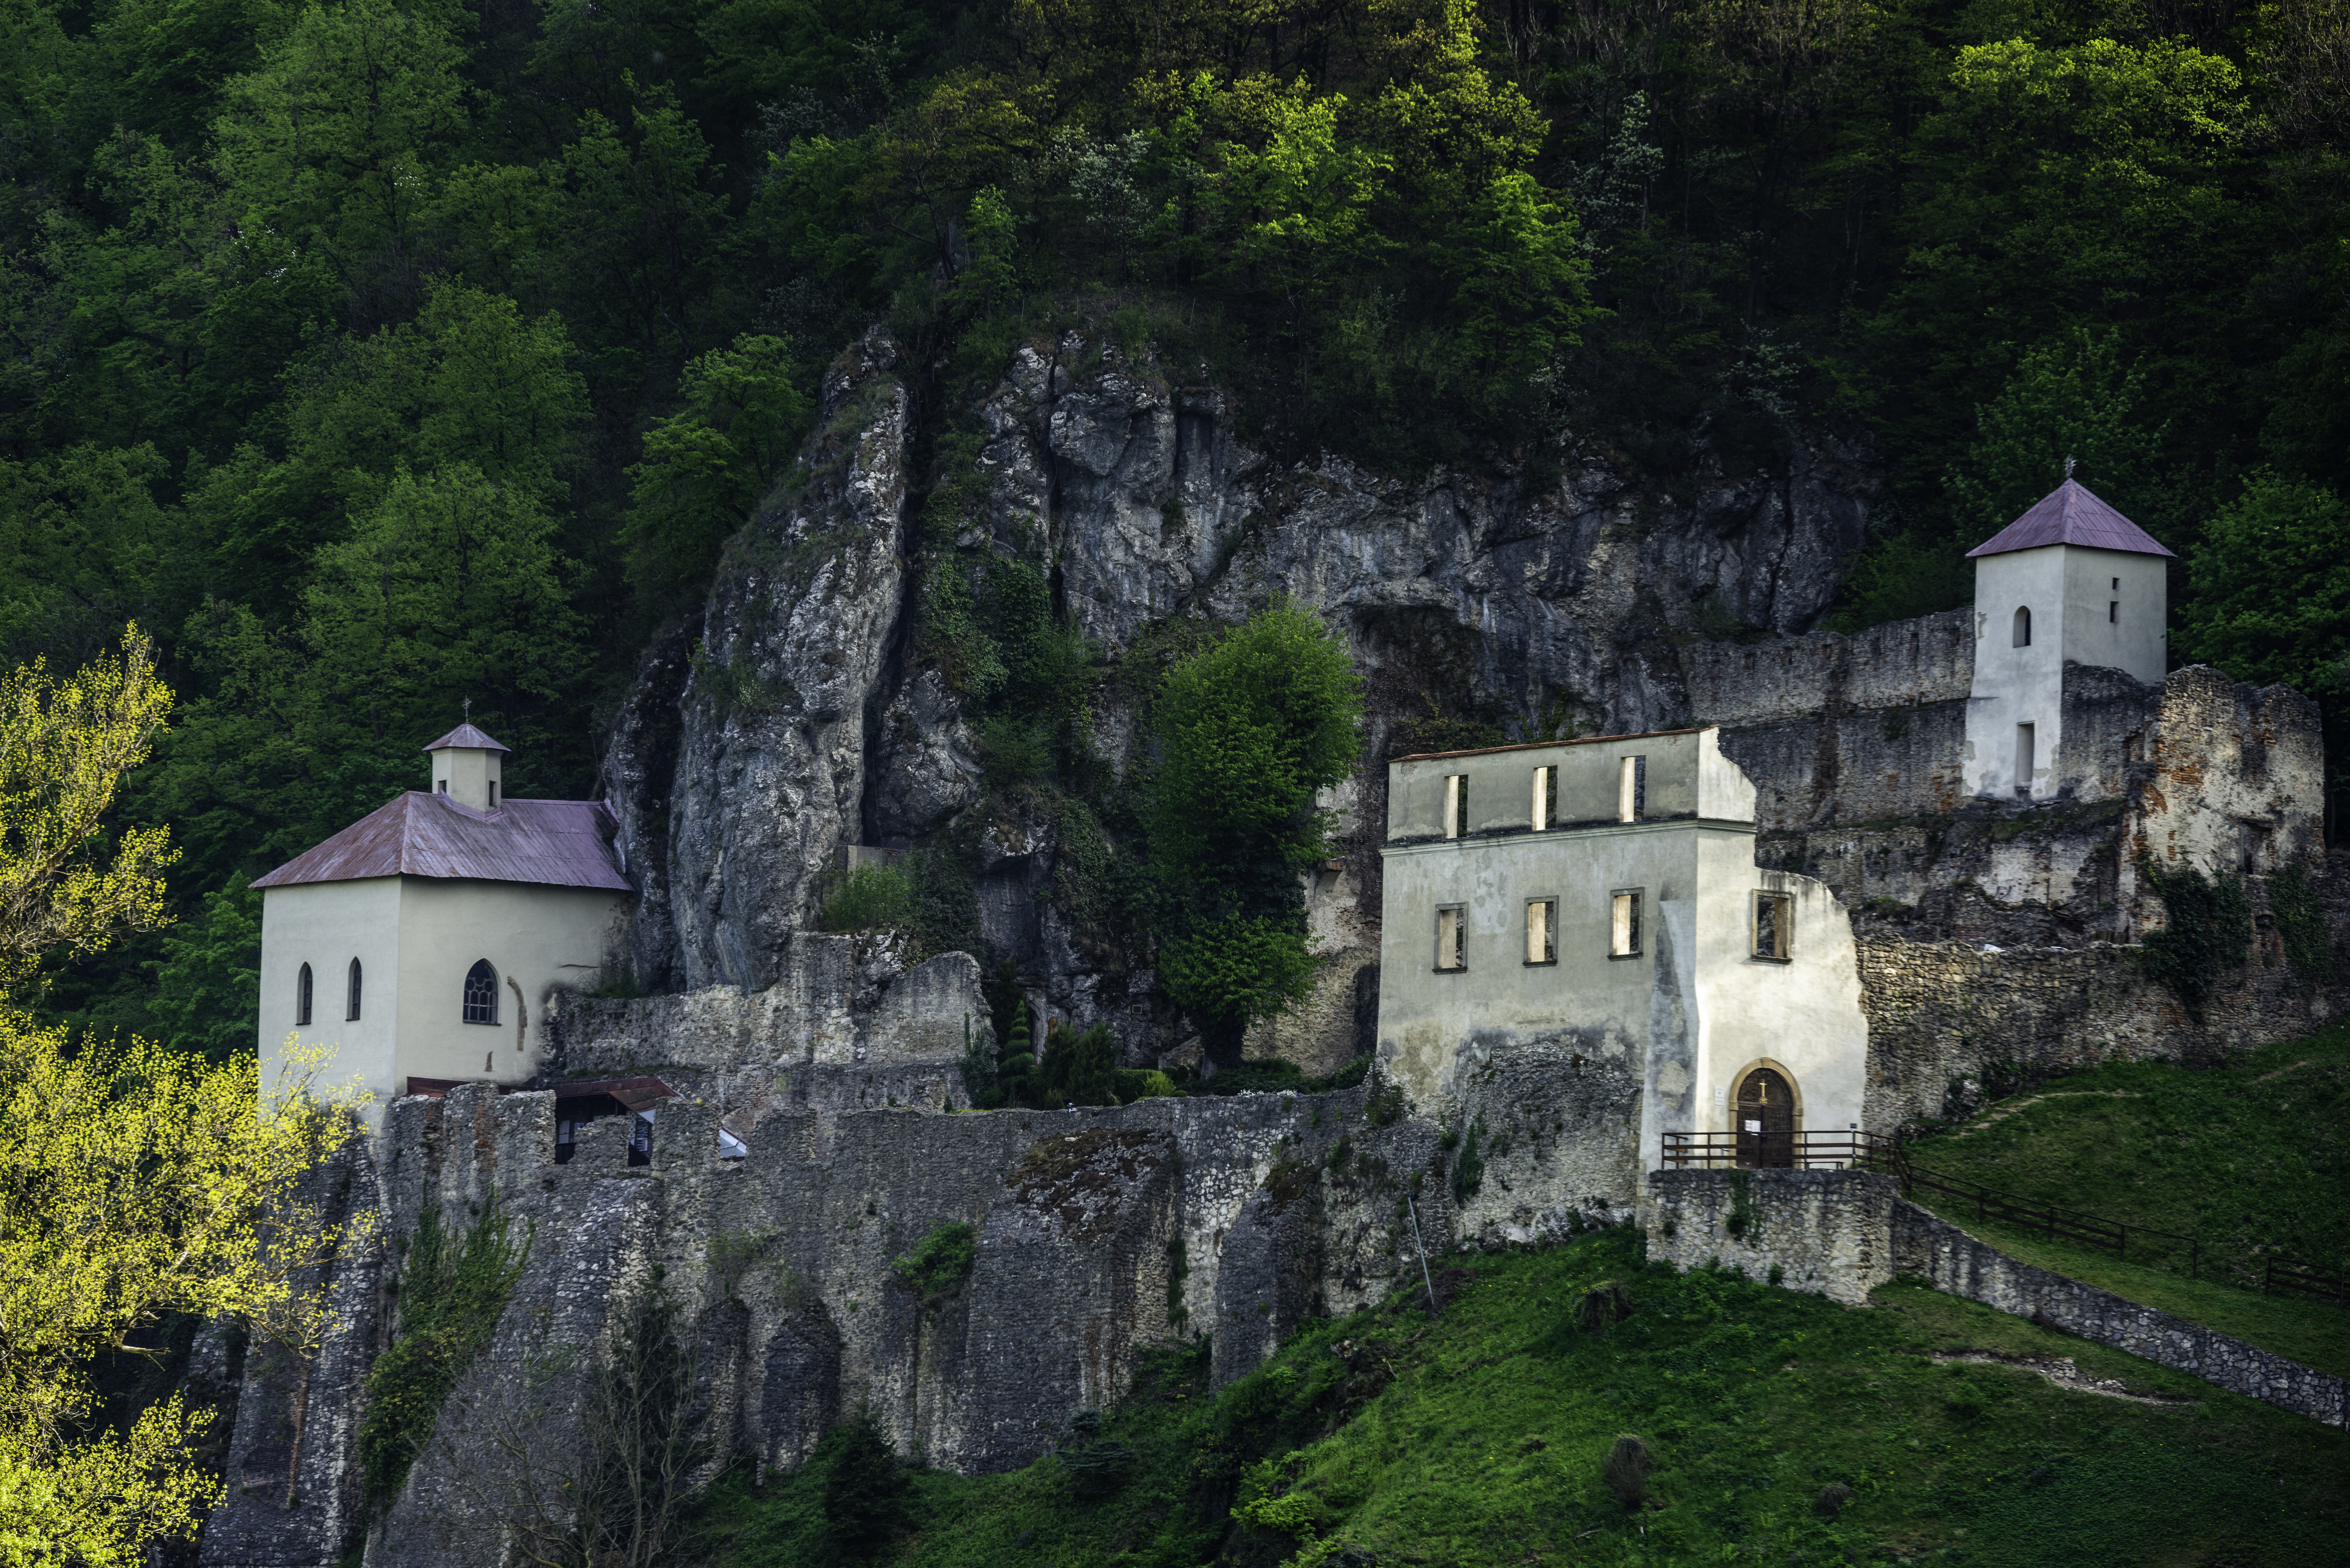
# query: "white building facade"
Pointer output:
{"type": "Point", "coordinates": [1601, 896]}
{"type": "Point", "coordinates": [2073, 582]}
{"type": "Point", "coordinates": [419, 946]}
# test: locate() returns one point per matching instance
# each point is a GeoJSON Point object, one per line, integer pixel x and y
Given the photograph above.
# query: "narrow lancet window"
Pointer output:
{"type": "Point", "coordinates": [482, 993]}
{"type": "Point", "coordinates": [302, 998]}
{"type": "Point", "coordinates": [351, 1003]}
{"type": "Point", "coordinates": [2023, 625]}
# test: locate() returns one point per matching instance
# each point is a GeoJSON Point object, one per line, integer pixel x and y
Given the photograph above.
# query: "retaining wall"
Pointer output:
{"type": "Point", "coordinates": [1842, 1234]}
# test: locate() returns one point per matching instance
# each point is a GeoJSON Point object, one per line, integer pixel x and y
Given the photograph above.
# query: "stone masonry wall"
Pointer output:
{"type": "Point", "coordinates": [1942, 1014]}
{"type": "Point", "coordinates": [1828, 1232]}
{"type": "Point", "coordinates": [1842, 1234]}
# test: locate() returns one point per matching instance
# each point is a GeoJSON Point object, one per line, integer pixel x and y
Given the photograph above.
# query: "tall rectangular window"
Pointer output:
{"type": "Point", "coordinates": [1456, 805]}
{"type": "Point", "coordinates": [1774, 925]}
{"type": "Point", "coordinates": [1624, 923]}
{"type": "Point", "coordinates": [1451, 946]}
{"type": "Point", "coordinates": [2113, 612]}
{"type": "Point", "coordinates": [493, 794]}
{"type": "Point", "coordinates": [2024, 760]}
{"type": "Point", "coordinates": [1631, 789]}
{"type": "Point", "coordinates": [1545, 797]}
{"type": "Point", "coordinates": [1541, 931]}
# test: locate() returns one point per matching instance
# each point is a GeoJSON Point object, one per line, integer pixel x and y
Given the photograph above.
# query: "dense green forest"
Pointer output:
{"type": "Point", "coordinates": [379, 354]}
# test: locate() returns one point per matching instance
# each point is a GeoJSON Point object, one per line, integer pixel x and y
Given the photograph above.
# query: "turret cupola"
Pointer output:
{"type": "Point", "coordinates": [467, 767]}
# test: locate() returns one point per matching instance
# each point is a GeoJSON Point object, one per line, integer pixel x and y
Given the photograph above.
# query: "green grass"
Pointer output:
{"type": "Point", "coordinates": [1478, 1440]}
{"type": "Point", "coordinates": [2251, 1157]}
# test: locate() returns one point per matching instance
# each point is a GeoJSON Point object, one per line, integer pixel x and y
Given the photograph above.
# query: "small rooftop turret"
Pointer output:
{"type": "Point", "coordinates": [468, 767]}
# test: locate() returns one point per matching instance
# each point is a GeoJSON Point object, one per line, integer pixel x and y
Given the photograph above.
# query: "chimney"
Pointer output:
{"type": "Point", "coordinates": [467, 766]}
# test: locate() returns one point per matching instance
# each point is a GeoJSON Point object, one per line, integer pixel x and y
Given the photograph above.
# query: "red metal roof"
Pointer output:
{"type": "Point", "coordinates": [2069, 515]}
{"type": "Point", "coordinates": [464, 736]}
{"type": "Point", "coordinates": [553, 843]}
{"type": "Point", "coordinates": [636, 1093]}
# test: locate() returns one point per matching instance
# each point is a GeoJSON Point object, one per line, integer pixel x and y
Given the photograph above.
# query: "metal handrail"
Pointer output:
{"type": "Point", "coordinates": [1847, 1150]}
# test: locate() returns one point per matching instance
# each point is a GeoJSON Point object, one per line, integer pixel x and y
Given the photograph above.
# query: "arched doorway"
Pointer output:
{"type": "Point", "coordinates": [1766, 1120]}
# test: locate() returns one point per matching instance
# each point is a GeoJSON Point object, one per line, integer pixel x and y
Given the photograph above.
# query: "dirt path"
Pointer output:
{"type": "Point", "coordinates": [2060, 1370]}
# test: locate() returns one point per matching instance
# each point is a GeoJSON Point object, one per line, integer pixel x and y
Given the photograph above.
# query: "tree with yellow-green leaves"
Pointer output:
{"type": "Point", "coordinates": [134, 1181]}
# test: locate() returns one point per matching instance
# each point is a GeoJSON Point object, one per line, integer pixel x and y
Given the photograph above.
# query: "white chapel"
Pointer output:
{"type": "Point", "coordinates": [420, 944]}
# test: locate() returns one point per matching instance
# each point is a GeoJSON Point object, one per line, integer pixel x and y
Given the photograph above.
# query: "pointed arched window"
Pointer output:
{"type": "Point", "coordinates": [351, 1008]}
{"type": "Point", "coordinates": [302, 998]}
{"type": "Point", "coordinates": [481, 993]}
{"type": "Point", "coordinates": [2023, 625]}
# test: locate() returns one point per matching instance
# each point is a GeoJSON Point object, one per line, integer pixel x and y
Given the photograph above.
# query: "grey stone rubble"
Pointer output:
{"type": "Point", "coordinates": [1842, 1234]}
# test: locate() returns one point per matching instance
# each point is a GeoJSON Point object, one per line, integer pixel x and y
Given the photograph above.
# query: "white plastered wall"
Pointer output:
{"type": "Point", "coordinates": [537, 938]}
{"type": "Point", "coordinates": [465, 773]}
{"type": "Point", "coordinates": [327, 925]}
{"type": "Point", "coordinates": [2115, 605]}
{"type": "Point", "coordinates": [416, 937]}
{"type": "Point", "coordinates": [1801, 1014]}
{"type": "Point", "coordinates": [2012, 685]}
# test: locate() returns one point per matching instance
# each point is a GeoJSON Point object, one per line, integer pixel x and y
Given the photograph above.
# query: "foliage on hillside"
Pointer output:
{"type": "Point", "coordinates": [2249, 1155]}
{"type": "Point", "coordinates": [1777, 1426]}
{"type": "Point", "coordinates": [381, 354]}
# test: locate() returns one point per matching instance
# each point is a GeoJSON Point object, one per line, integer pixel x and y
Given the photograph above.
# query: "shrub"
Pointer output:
{"type": "Point", "coordinates": [936, 1268]}
{"type": "Point", "coordinates": [2210, 925]}
{"type": "Point", "coordinates": [1831, 1500]}
{"type": "Point", "coordinates": [1469, 1171]}
{"type": "Point", "coordinates": [1602, 1306]}
{"type": "Point", "coordinates": [1133, 1083]}
{"type": "Point", "coordinates": [2300, 923]}
{"type": "Point", "coordinates": [450, 1299]}
{"type": "Point", "coordinates": [1626, 1470]}
{"type": "Point", "coordinates": [1096, 1465]}
{"type": "Point", "coordinates": [865, 1489]}
{"type": "Point", "coordinates": [870, 898]}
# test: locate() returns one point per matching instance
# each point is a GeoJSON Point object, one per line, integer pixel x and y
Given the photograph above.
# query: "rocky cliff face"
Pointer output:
{"type": "Point", "coordinates": [803, 714]}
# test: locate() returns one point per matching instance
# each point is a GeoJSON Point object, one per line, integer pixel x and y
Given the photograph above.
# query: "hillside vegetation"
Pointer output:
{"type": "Point", "coordinates": [2247, 1154]}
{"type": "Point", "coordinates": [1479, 1437]}
{"type": "Point", "coordinates": [375, 355]}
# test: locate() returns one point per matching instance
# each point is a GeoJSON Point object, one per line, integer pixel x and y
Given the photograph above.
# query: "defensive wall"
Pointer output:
{"type": "Point", "coordinates": [1842, 1234]}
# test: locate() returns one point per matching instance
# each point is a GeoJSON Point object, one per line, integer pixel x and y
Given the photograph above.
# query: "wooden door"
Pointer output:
{"type": "Point", "coordinates": [1766, 1120]}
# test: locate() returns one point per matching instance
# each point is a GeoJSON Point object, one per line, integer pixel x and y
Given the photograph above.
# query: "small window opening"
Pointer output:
{"type": "Point", "coordinates": [1545, 797]}
{"type": "Point", "coordinates": [493, 794]}
{"type": "Point", "coordinates": [1775, 923]}
{"type": "Point", "coordinates": [1456, 805]}
{"type": "Point", "coordinates": [2023, 625]}
{"type": "Point", "coordinates": [2025, 762]}
{"type": "Point", "coordinates": [302, 998]}
{"type": "Point", "coordinates": [2113, 612]}
{"type": "Point", "coordinates": [443, 785]}
{"type": "Point", "coordinates": [640, 1139]}
{"type": "Point", "coordinates": [1632, 789]}
{"type": "Point", "coordinates": [1452, 949]}
{"type": "Point", "coordinates": [1541, 931]}
{"type": "Point", "coordinates": [2117, 585]}
{"type": "Point", "coordinates": [352, 1004]}
{"type": "Point", "coordinates": [567, 1140]}
{"type": "Point", "coordinates": [482, 993]}
{"type": "Point", "coordinates": [1624, 923]}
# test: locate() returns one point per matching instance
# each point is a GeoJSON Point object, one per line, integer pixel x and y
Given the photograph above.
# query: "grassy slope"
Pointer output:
{"type": "Point", "coordinates": [2253, 1156]}
{"type": "Point", "coordinates": [1477, 1439]}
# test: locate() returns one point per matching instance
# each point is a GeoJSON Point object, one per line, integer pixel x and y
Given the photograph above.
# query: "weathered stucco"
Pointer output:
{"type": "Point", "coordinates": [416, 937]}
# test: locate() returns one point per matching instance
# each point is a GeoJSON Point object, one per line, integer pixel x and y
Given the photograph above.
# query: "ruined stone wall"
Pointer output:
{"type": "Point", "coordinates": [1842, 1234]}
{"type": "Point", "coordinates": [1944, 1016]}
{"type": "Point", "coordinates": [1098, 1231]}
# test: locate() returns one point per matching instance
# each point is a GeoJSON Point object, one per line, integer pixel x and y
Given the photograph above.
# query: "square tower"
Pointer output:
{"type": "Point", "coordinates": [2071, 581]}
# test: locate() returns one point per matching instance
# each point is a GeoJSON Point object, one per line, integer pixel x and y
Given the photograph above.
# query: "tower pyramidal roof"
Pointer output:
{"type": "Point", "coordinates": [2069, 515]}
